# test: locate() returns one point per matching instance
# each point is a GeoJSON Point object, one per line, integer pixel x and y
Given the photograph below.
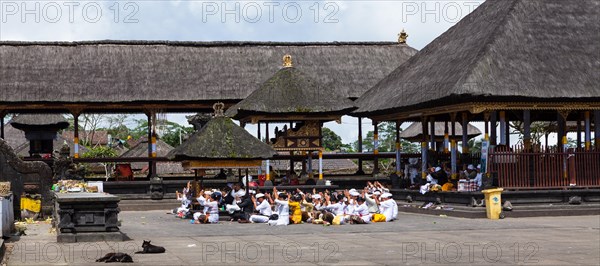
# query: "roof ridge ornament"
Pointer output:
{"type": "Point", "coordinates": [287, 60]}
{"type": "Point", "coordinates": [402, 36]}
{"type": "Point", "coordinates": [218, 107]}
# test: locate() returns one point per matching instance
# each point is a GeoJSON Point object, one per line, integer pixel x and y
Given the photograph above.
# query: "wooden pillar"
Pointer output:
{"type": "Point", "coordinates": [151, 143]}
{"type": "Point", "coordinates": [398, 148]}
{"type": "Point", "coordinates": [268, 168]}
{"type": "Point", "coordinates": [507, 128]}
{"type": "Point", "coordinates": [258, 131]}
{"type": "Point", "coordinates": [310, 168]}
{"type": "Point", "coordinates": [493, 136]}
{"type": "Point", "coordinates": [320, 166]}
{"type": "Point", "coordinates": [267, 132]}
{"type": "Point", "coordinates": [2, 115]}
{"type": "Point", "coordinates": [453, 148]}
{"type": "Point", "coordinates": [486, 126]}
{"type": "Point", "coordinates": [527, 143]}
{"type": "Point", "coordinates": [588, 129]}
{"type": "Point", "coordinates": [561, 136]}
{"type": "Point", "coordinates": [446, 137]}
{"type": "Point", "coordinates": [465, 133]}
{"type": "Point", "coordinates": [597, 129]}
{"type": "Point", "coordinates": [360, 147]}
{"type": "Point", "coordinates": [424, 149]}
{"type": "Point", "coordinates": [527, 129]}
{"type": "Point", "coordinates": [503, 127]}
{"type": "Point", "coordinates": [268, 171]}
{"type": "Point", "coordinates": [432, 134]}
{"type": "Point", "coordinates": [375, 148]}
{"type": "Point", "coordinates": [578, 133]}
{"type": "Point", "coordinates": [76, 135]}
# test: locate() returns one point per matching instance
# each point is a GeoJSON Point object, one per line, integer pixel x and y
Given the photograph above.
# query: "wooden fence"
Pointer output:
{"type": "Point", "coordinates": [545, 168]}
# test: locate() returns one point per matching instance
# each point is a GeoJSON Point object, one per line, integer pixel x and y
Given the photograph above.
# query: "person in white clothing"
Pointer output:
{"type": "Point", "coordinates": [262, 206]}
{"type": "Point", "coordinates": [282, 208]}
{"type": "Point", "coordinates": [211, 206]}
{"type": "Point", "coordinates": [334, 205]}
{"type": "Point", "coordinates": [386, 206]}
{"type": "Point", "coordinates": [361, 211]}
{"type": "Point", "coordinates": [478, 177]}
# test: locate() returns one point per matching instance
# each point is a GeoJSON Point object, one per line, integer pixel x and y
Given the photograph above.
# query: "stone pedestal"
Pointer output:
{"type": "Point", "coordinates": [87, 217]}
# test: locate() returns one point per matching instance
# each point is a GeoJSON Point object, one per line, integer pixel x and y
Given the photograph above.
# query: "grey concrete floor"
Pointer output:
{"type": "Point", "coordinates": [413, 239]}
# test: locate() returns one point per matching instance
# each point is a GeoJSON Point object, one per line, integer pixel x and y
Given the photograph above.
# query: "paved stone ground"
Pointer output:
{"type": "Point", "coordinates": [413, 239]}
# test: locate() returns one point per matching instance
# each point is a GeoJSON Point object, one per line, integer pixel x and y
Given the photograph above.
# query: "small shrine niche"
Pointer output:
{"type": "Point", "coordinates": [304, 136]}
{"type": "Point", "coordinates": [40, 131]}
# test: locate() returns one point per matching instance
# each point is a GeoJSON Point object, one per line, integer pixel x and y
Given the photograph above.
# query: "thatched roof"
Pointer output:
{"type": "Point", "coordinates": [140, 150]}
{"type": "Point", "coordinates": [158, 71]}
{"type": "Point", "coordinates": [39, 121]}
{"type": "Point", "coordinates": [290, 91]}
{"type": "Point", "coordinates": [97, 137]}
{"type": "Point", "coordinates": [414, 132]}
{"type": "Point", "coordinates": [509, 50]}
{"type": "Point", "coordinates": [221, 139]}
{"type": "Point", "coordinates": [13, 137]}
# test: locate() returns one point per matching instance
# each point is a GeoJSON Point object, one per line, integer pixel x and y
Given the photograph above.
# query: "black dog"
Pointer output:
{"type": "Point", "coordinates": [115, 257]}
{"type": "Point", "coordinates": [149, 248]}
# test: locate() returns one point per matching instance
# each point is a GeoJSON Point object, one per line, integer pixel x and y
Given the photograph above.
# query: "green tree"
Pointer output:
{"type": "Point", "coordinates": [331, 140]}
{"type": "Point", "coordinates": [474, 145]}
{"type": "Point", "coordinates": [102, 152]}
{"type": "Point", "coordinates": [176, 134]}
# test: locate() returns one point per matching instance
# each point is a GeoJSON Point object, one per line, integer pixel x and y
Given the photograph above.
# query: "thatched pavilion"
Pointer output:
{"type": "Point", "coordinates": [513, 60]}
{"type": "Point", "coordinates": [440, 139]}
{"type": "Point", "coordinates": [220, 143]}
{"type": "Point", "coordinates": [291, 96]}
{"type": "Point", "coordinates": [155, 77]}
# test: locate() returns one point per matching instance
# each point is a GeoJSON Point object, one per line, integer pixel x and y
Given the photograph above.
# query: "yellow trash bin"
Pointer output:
{"type": "Point", "coordinates": [493, 202]}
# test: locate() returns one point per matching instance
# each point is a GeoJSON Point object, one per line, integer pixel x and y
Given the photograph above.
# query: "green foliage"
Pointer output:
{"type": "Point", "coordinates": [100, 152]}
{"type": "Point", "coordinates": [474, 145]}
{"type": "Point", "coordinates": [331, 141]}
{"type": "Point", "coordinates": [172, 134]}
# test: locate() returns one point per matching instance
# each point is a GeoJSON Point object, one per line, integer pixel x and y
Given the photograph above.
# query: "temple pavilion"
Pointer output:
{"type": "Point", "coordinates": [515, 60]}
{"type": "Point", "coordinates": [291, 96]}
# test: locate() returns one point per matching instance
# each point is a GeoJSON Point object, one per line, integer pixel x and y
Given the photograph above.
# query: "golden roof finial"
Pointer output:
{"type": "Point", "coordinates": [287, 60]}
{"type": "Point", "coordinates": [402, 36]}
{"type": "Point", "coordinates": [218, 107]}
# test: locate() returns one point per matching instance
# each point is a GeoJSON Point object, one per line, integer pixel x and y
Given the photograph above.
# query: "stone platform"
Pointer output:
{"type": "Point", "coordinates": [87, 217]}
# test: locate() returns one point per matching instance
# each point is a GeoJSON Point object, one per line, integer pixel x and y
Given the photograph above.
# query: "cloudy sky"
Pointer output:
{"type": "Point", "coordinates": [306, 20]}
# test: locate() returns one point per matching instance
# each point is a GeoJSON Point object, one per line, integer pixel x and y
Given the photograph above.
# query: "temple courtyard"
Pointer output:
{"type": "Point", "coordinates": [411, 240]}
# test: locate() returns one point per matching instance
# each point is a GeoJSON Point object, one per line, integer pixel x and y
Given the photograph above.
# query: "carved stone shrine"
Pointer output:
{"type": "Point", "coordinates": [86, 217]}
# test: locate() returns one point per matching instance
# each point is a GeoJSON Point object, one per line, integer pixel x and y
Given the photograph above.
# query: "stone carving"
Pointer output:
{"type": "Point", "coordinates": [36, 174]}
{"type": "Point", "coordinates": [66, 224]}
{"type": "Point", "coordinates": [64, 169]}
{"type": "Point", "coordinates": [111, 220]}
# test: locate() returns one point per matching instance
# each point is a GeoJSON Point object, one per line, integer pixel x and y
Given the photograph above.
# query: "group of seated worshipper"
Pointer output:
{"type": "Point", "coordinates": [438, 178]}
{"type": "Point", "coordinates": [373, 203]}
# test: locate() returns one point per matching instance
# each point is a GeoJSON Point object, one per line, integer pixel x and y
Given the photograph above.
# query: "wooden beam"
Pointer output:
{"type": "Point", "coordinates": [220, 164]}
